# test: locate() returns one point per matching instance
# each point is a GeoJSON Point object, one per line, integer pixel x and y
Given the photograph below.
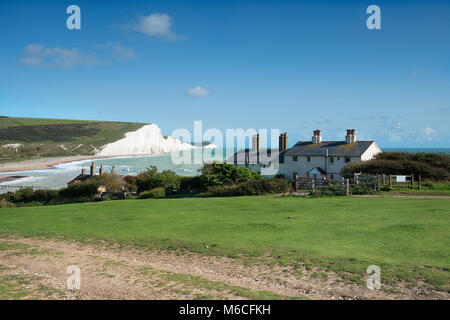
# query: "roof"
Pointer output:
{"type": "Point", "coordinates": [266, 156]}
{"type": "Point", "coordinates": [317, 170]}
{"type": "Point", "coordinates": [81, 178]}
{"type": "Point", "coordinates": [335, 148]}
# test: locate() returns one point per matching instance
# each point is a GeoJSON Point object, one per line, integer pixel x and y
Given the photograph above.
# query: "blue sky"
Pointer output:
{"type": "Point", "coordinates": [292, 65]}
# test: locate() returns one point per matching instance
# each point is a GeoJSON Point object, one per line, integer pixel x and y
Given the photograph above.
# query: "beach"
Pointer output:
{"type": "Point", "coordinates": [43, 163]}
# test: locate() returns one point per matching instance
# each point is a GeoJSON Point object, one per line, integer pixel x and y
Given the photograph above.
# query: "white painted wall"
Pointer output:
{"type": "Point", "coordinates": [372, 151]}
{"type": "Point", "coordinates": [302, 166]}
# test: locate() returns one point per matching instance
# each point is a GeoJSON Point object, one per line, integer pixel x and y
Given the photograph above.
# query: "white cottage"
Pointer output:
{"type": "Point", "coordinates": [307, 158]}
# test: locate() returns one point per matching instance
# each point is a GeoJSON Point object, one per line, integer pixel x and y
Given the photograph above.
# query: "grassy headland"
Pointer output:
{"type": "Point", "coordinates": [57, 138]}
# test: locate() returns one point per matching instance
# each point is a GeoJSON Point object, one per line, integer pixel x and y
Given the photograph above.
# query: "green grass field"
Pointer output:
{"type": "Point", "coordinates": [408, 238]}
{"type": "Point", "coordinates": [44, 137]}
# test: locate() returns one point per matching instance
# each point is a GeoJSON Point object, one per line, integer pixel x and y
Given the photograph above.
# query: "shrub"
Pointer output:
{"type": "Point", "coordinates": [45, 196]}
{"type": "Point", "coordinates": [327, 192]}
{"type": "Point", "coordinates": [6, 204]}
{"type": "Point", "coordinates": [218, 174]}
{"type": "Point", "coordinates": [193, 184]}
{"type": "Point", "coordinates": [435, 167]}
{"type": "Point", "coordinates": [79, 190]}
{"type": "Point", "coordinates": [112, 182]}
{"type": "Point", "coordinates": [153, 194]}
{"type": "Point", "coordinates": [23, 195]}
{"type": "Point", "coordinates": [252, 187]}
{"type": "Point", "coordinates": [130, 183]}
{"type": "Point", "coordinates": [151, 179]}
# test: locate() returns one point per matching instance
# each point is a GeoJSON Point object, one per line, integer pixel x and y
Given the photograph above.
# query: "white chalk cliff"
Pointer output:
{"type": "Point", "coordinates": [147, 140]}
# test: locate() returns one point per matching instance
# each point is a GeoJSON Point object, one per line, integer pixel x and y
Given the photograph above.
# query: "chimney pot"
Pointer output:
{"type": "Point", "coordinates": [317, 138]}
{"type": "Point", "coordinates": [93, 169]}
{"type": "Point", "coordinates": [350, 137]}
{"type": "Point", "coordinates": [256, 142]}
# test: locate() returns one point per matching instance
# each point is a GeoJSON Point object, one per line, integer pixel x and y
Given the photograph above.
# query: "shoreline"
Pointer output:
{"type": "Point", "coordinates": [43, 163]}
{"type": "Point", "coordinates": [49, 163]}
{"type": "Point", "coordinates": [11, 178]}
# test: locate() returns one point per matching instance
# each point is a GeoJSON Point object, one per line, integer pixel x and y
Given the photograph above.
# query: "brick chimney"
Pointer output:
{"type": "Point", "coordinates": [283, 142]}
{"type": "Point", "coordinates": [256, 142]}
{"type": "Point", "coordinates": [316, 138]}
{"type": "Point", "coordinates": [350, 137]}
{"type": "Point", "coordinates": [102, 171]}
{"type": "Point", "coordinates": [113, 170]}
{"type": "Point", "coordinates": [83, 171]}
{"type": "Point", "coordinates": [93, 169]}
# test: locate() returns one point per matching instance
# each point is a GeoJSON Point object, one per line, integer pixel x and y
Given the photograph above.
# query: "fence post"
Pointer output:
{"type": "Point", "coordinates": [412, 180]}
{"type": "Point", "coordinates": [420, 181]}
{"type": "Point", "coordinates": [347, 187]}
{"type": "Point", "coordinates": [313, 185]}
{"type": "Point", "coordinates": [390, 181]}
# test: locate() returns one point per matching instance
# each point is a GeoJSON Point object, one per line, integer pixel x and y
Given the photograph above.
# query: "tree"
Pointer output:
{"type": "Point", "coordinates": [112, 182]}
{"type": "Point", "coordinates": [151, 179]}
{"type": "Point", "coordinates": [217, 174]}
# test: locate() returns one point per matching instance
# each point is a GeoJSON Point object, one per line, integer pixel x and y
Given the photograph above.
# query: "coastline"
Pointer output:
{"type": "Point", "coordinates": [11, 178]}
{"type": "Point", "coordinates": [48, 163]}
{"type": "Point", "coordinates": [43, 163]}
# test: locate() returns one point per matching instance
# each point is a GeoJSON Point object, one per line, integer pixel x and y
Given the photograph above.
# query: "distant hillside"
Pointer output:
{"type": "Point", "coordinates": [28, 138]}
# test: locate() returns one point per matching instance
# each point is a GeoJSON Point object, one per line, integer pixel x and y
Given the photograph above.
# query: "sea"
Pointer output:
{"type": "Point", "coordinates": [58, 176]}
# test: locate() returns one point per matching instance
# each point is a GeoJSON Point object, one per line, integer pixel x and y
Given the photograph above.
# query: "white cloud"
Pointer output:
{"type": "Point", "coordinates": [120, 52]}
{"type": "Point", "coordinates": [198, 92]}
{"type": "Point", "coordinates": [428, 134]}
{"type": "Point", "coordinates": [398, 125]}
{"type": "Point", "coordinates": [323, 121]}
{"type": "Point", "coordinates": [38, 56]}
{"type": "Point", "coordinates": [157, 25]}
{"type": "Point", "coordinates": [394, 136]}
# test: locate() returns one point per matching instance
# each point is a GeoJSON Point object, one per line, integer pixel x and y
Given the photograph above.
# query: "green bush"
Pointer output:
{"type": "Point", "coordinates": [151, 179]}
{"type": "Point", "coordinates": [112, 182]}
{"type": "Point", "coordinates": [28, 195]}
{"type": "Point", "coordinates": [130, 183]}
{"type": "Point", "coordinates": [153, 194]}
{"type": "Point", "coordinates": [218, 174]}
{"type": "Point", "coordinates": [79, 190]}
{"type": "Point", "coordinates": [45, 196]}
{"type": "Point", "coordinates": [436, 185]}
{"type": "Point", "coordinates": [431, 166]}
{"type": "Point", "coordinates": [193, 184]}
{"type": "Point", "coordinates": [251, 187]}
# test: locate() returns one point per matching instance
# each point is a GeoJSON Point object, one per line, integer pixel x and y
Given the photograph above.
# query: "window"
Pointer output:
{"type": "Point", "coordinates": [308, 159]}
{"type": "Point", "coordinates": [347, 159]}
{"type": "Point", "coordinates": [294, 158]}
{"type": "Point", "coordinates": [331, 159]}
{"type": "Point", "coordinates": [331, 177]}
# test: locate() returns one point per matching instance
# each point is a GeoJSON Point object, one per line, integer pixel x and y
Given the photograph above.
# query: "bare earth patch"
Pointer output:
{"type": "Point", "coordinates": [32, 268]}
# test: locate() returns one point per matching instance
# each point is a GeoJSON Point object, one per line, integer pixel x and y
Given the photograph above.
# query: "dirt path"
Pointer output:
{"type": "Point", "coordinates": [37, 269]}
{"type": "Point", "coordinates": [399, 195]}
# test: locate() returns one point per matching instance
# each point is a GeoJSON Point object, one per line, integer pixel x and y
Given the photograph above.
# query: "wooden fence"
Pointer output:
{"type": "Point", "coordinates": [373, 182]}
